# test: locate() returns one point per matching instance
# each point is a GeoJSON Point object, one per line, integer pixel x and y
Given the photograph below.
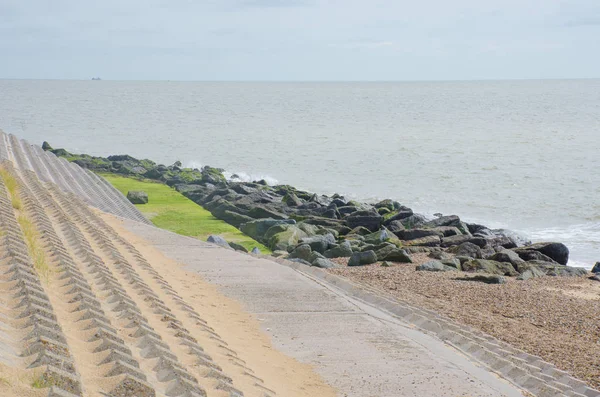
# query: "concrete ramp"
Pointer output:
{"type": "Point", "coordinates": [361, 342]}
{"type": "Point", "coordinates": [69, 177]}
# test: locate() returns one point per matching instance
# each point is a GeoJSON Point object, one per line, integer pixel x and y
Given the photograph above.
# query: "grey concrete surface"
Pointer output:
{"type": "Point", "coordinates": [358, 349]}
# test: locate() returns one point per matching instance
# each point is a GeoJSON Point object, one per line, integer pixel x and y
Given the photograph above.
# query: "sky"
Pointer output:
{"type": "Point", "coordinates": [299, 40]}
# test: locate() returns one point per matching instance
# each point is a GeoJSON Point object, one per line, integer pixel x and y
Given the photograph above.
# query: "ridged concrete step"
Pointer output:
{"type": "Point", "coordinates": [69, 177]}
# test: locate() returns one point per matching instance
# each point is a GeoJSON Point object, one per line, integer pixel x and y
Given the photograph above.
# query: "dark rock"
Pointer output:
{"type": "Point", "coordinates": [368, 219]}
{"type": "Point", "coordinates": [383, 211]}
{"type": "Point", "coordinates": [233, 218]}
{"type": "Point", "coordinates": [238, 247]}
{"type": "Point", "coordinates": [344, 250]}
{"type": "Point", "coordinates": [137, 197]}
{"type": "Point", "coordinates": [347, 210]}
{"type": "Point", "coordinates": [595, 277]}
{"type": "Point", "coordinates": [414, 220]}
{"type": "Point", "coordinates": [531, 272]}
{"type": "Point", "coordinates": [314, 256]}
{"type": "Point", "coordinates": [291, 200]}
{"type": "Point", "coordinates": [122, 157]}
{"type": "Point", "coordinates": [242, 188]}
{"type": "Point", "coordinates": [400, 215]}
{"type": "Point", "coordinates": [393, 254]}
{"type": "Point", "coordinates": [362, 258]}
{"type": "Point", "coordinates": [460, 239]}
{"type": "Point", "coordinates": [447, 231]}
{"type": "Point", "coordinates": [257, 228]}
{"type": "Point", "coordinates": [379, 236]}
{"type": "Point", "coordinates": [440, 255]}
{"type": "Point", "coordinates": [429, 241]}
{"type": "Point", "coordinates": [531, 255]}
{"type": "Point", "coordinates": [319, 243]}
{"type": "Point", "coordinates": [302, 251]}
{"type": "Point", "coordinates": [553, 268]}
{"type": "Point", "coordinates": [557, 251]}
{"type": "Point", "coordinates": [283, 236]}
{"type": "Point", "coordinates": [453, 262]}
{"type": "Point", "coordinates": [491, 267]}
{"type": "Point", "coordinates": [255, 251]}
{"type": "Point", "coordinates": [488, 279]}
{"type": "Point", "coordinates": [299, 260]}
{"type": "Point", "coordinates": [260, 212]}
{"type": "Point", "coordinates": [324, 263]}
{"type": "Point", "coordinates": [507, 256]}
{"type": "Point", "coordinates": [412, 234]}
{"type": "Point", "coordinates": [46, 146]}
{"type": "Point", "coordinates": [213, 238]}
{"type": "Point", "coordinates": [596, 268]}
{"type": "Point", "coordinates": [466, 249]}
{"type": "Point", "coordinates": [395, 227]}
{"type": "Point", "coordinates": [449, 220]}
{"type": "Point", "coordinates": [360, 231]}
{"type": "Point", "coordinates": [433, 266]}
{"type": "Point", "coordinates": [389, 204]}
{"type": "Point", "coordinates": [310, 230]}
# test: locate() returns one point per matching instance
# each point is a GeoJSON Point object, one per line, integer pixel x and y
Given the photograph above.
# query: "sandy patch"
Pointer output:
{"type": "Point", "coordinates": [241, 330]}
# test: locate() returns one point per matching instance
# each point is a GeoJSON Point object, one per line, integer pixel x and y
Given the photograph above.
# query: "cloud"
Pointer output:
{"type": "Point", "coordinates": [297, 39]}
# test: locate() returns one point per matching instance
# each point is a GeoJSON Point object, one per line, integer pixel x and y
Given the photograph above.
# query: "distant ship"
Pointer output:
{"type": "Point", "coordinates": [96, 78]}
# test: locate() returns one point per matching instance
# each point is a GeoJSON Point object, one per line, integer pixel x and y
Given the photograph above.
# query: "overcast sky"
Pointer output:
{"type": "Point", "coordinates": [299, 39]}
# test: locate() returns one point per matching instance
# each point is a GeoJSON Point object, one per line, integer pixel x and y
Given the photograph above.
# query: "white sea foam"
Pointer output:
{"type": "Point", "coordinates": [239, 176]}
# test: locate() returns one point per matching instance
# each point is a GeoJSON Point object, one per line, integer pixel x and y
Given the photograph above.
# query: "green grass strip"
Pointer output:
{"type": "Point", "coordinates": [169, 209]}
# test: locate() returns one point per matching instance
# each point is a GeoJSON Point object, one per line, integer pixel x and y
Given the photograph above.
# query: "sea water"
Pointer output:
{"type": "Point", "coordinates": [523, 155]}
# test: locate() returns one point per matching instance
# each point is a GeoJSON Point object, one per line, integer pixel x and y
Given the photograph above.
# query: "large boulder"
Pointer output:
{"type": "Point", "coordinates": [531, 272]}
{"type": "Point", "coordinates": [137, 197]}
{"type": "Point", "coordinates": [362, 258]}
{"type": "Point", "coordinates": [463, 238]}
{"type": "Point", "coordinates": [283, 236]}
{"type": "Point", "coordinates": [393, 254]}
{"type": "Point", "coordinates": [507, 256]}
{"type": "Point", "coordinates": [234, 218]}
{"type": "Point", "coordinates": [429, 241]}
{"type": "Point", "coordinates": [411, 234]}
{"type": "Point", "coordinates": [490, 267]}
{"type": "Point", "coordinates": [596, 268]}
{"type": "Point", "coordinates": [415, 220]}
{"type": "Point", "coordinates": [260, 211]}
{"type": "Point", "coordinates": [532, 255]}
{"type": "Point", "coordinates": [344, 250]}
{"type": "Point", "coordinates": [552, 269]}
{"type": "Point", "coordinates": [302, 251]}
{"type": "Point", "coordinates": [238, 247]}
{"type": "Point", "coordinates": [291, 200]}
{"type": "Point", "coordinates": [380, 236]}
{"type": "Point", "coordinates": [466, 249]}
{"type": "Point", "coordinates": [257, 228]}
{"type": "Point", "coordinates": [319, 243]}
{"type": "Point", "coordinates": [324, 263]}
{"type": "Point", "coordinates": [213, 238]}
{"type": "Point", "coordinates": [369, 219]}
{"type": "Point", "coordinates": [434, 266]}
{"type": "Point", "coordinates": [557, 251]}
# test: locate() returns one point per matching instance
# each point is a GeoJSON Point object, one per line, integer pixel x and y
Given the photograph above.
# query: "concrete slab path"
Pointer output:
{"type": "Point", "coordinates": [358, 349]}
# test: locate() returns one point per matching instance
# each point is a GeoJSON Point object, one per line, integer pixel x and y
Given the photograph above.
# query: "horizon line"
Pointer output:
{"type": "Point", "coordinates": [308, 81]}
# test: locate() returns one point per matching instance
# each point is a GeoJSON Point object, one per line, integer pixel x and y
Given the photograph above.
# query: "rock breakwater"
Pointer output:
{"type": "Point", "coordinates": [313, 229]}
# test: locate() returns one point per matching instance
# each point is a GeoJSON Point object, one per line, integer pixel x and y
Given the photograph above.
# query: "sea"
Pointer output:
{"type": "Point", "coordinates": [522, 155]}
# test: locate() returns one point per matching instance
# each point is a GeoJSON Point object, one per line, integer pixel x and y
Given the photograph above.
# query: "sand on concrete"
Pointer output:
{"type": "Point", "coordinates": [285, 375]}
{"type": "Point", "coordinates": [556, 318]}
